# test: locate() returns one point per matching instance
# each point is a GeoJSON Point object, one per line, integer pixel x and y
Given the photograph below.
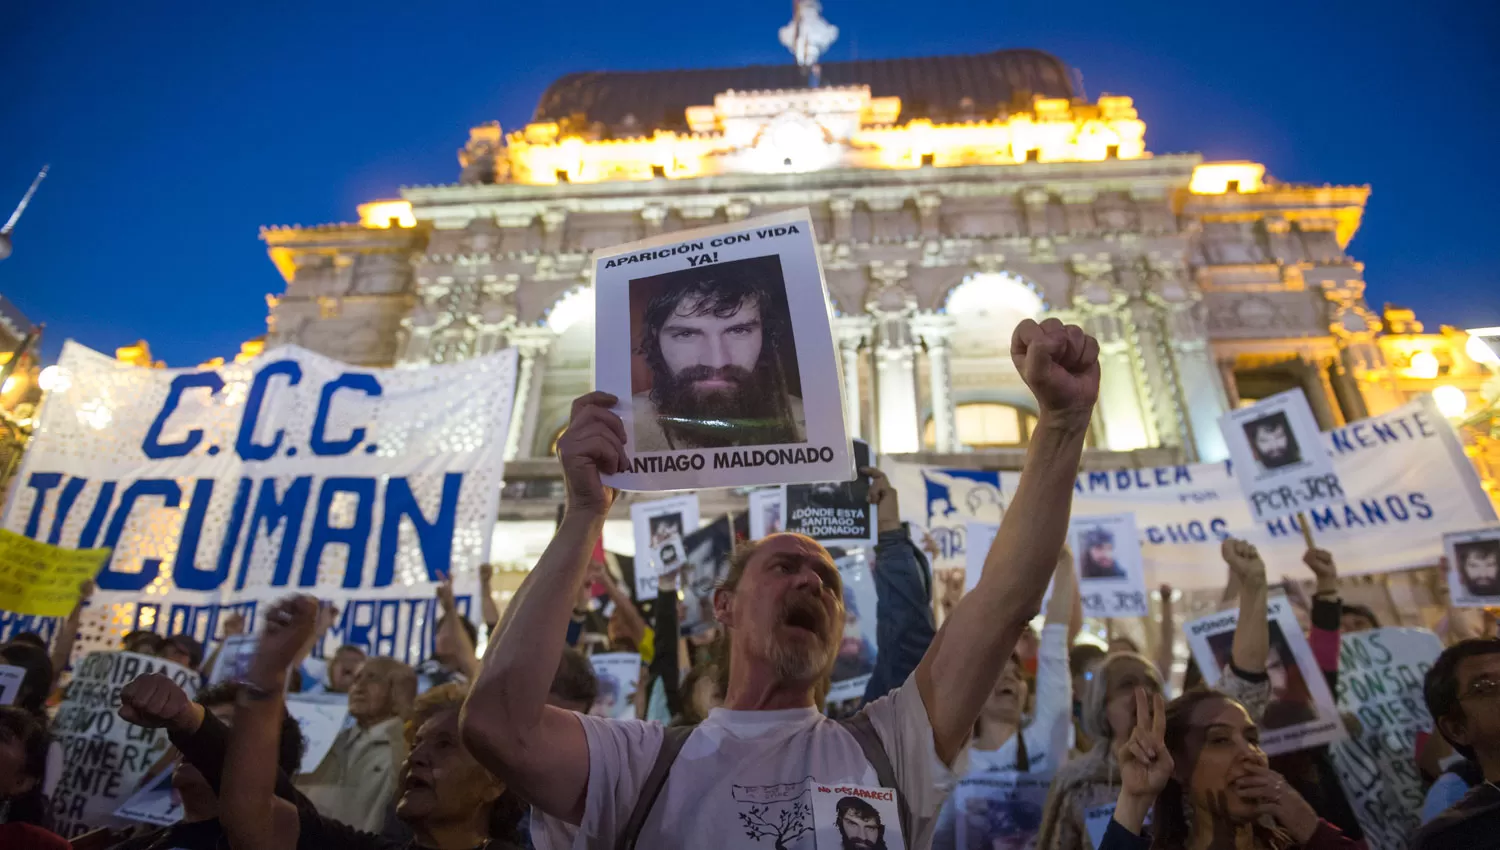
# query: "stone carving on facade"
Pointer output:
{"type": "Point", "coordinates": [1093, 280]}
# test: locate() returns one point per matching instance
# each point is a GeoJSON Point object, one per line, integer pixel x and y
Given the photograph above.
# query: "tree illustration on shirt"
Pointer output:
{"type": "Point", "coordinates": [778, 812]}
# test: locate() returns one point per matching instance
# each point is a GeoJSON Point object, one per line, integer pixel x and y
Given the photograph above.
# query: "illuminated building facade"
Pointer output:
{"type": "Point", "coordinates": [953, 196]}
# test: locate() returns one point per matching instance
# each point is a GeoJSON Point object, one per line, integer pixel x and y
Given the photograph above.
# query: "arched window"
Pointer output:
{"type": "Point", "coordinates": [988, 425]}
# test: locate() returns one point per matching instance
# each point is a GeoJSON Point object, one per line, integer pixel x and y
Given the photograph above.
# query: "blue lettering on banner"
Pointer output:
{"type": "Point", "coordinates": [246, 446]}
{"type": "Point", "coordinates": [1392, 509]}
{"type": "Point", "coordinates": [1375, 433]}
{"type": "Point", "coordinates": [285, 514]}
{"type": "Point", "coordinates": [65, 502]}
{"type": "Point", "coordinates": [1123, 480]}
{"type": "Point", "coordinates": [171, 496]}
{"type": "Point", "coordinates": [41, 482]}
{"type": "Point", "coordinates": [152, 446]}
{"type": "Point", "coordinates": [1194, 531]}
{"type": "Point", "coordinates": [325, 533]}
{"type": "Point", "coordinates": [91, 528]}
{"type": "Point", "coordinates": [319, 441]}
{"type": "Point", "coordinates": [433, 538]}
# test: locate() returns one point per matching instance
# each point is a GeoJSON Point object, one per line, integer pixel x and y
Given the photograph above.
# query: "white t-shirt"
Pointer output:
{"type": "Point", "coordinates": [739, 782]}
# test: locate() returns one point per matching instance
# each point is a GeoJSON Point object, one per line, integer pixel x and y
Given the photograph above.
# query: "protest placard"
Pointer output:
{"type": "Point", "coordinates": [707, 567]}
{"type": "Point", "coordinates": [228, 486]}
{"type": "Point", "coordinates": [719, 346]}
{"type": "Point", "coordinates": [1001, 808]}
{"type": "Point", "coordinates": [105, 758]}
{"type": "Point", "coordinates": [1474, 567]}
{"type": "Point", "coordinates": [978, 537]}
{"type": "Point", "coordinates": [655, 523]}
{"type": "Point", "coordinates": [1381, 672]}
{"type": "Point", "coordinates": [847, 816]}
{"type": "Point", "coordinates": [765, 513]}
{"type": "Point", "coordinates": [40, 579]}
{"type": "Point", "coordinates": [157, 802]}
{"type": "Point", "coordinates": [619, 674]}
{"type": "Point", "coordinates": [856, 658]}
{"type": "Point", "coordinates": [321, 716]}
{"type": "Point", "coordinates": [10, 683]}
{"type": "Point", "coordinates": [233, 662]}
{"type": "Point", "coordinates": [1301, 712]}
{"type": "Point", "coordinates": [1278, 455]}
{"type": "Point", "coordinates": [833, 513]}
{"type": "Point", "coordinates": [1107, 557]}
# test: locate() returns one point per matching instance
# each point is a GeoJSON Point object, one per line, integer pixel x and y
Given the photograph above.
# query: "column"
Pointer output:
{"type": "Point", "coordinates": [896, 375]}
{"type": "Point", "coordinates": [928, 204]}
{"type": "Point", "coordinates": [531, 344]}
{"type": "Point", "coordinates": [1200, 386]}
{"type": "Point", "coordinates": [1124, 409]}
{"type": "Point", "coordinates": [934, 330]}
{"type": "Point", "coordinates": [552, 228]}
{"type": "Point", "coordinates": [853, 333]}
{"type": "Point", "coordinates": [1035, 203]}
{"type": "Point", "coordinates": [842, 208]}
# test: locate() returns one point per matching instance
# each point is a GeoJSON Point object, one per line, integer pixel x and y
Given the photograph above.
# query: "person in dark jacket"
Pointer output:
{"type": "Point", "coordinates": [1463, 695]}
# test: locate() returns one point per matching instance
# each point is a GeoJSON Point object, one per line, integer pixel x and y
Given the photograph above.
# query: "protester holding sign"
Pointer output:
{"type": "Point", "coordinates": [781, 608]}
{"type": "Point", "coordinates": [1022, 748]}
{"type": "Point", "coordinates": [904, 626]}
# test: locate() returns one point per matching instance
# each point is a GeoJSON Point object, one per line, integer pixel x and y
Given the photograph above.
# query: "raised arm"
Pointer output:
{"type": "Point", "coordinates": [1326, 614]}
{"type": "Point", "coordinates": [904, 625]}
{"type": "Point", "coordinates": [487, 607]}
{"type": "Point", "coordinates": [1167, 635]}
{"type": "Point", "coordinates": [466, 662]}
{"type": "Point", "coordinates": [1252, 634]}
{"type": "Point", "coordinates": [1061, 366]}
{"type": "Point", "coordinates": [665, 666]}
{"type": "Point", "coordinates": [67, 632]}
{"type": "Point", "coordinates": [538, 750]}
{"type": "Point", "coordinates": [1064, 591]}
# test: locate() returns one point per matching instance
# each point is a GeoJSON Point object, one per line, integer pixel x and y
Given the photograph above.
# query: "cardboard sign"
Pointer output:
{"type": "Point", "coordinates": [235, 655]}
{"type": "Point", "coordinates": [708, 552]}
{"type": "Point", "coordinates": [833, 513]}
{"type": "Point", "coordinates": [43, 580]}
{"type": "Point", "coordinates": [321, 717]}
{"type": "Point", "coordinates": [10, 683]}
{"type": "Point", "coordinates": [1474, 567]}
{"type": "Point", "coordinates": [104, 757]}
{"type": "Point", "coordinates": [1279, 459]}
{"type": "Point", "coordinates": [999, 809]}
{"type": "Point", "coordinates": [157, 802]}
{"type": "Point", "coordinates": [1381, 672]}
{"type": "Point", "coordinates": [655, 524]}
{"type": "Point", "coordinates": [1301, 712]}
{"type": "Point", "coordinates": [718, 344]}
{"type": "Point", "coordinates": [1107, 557]}
{"type": "Point", "coordinates": [856, 658]}
{"type": "Point", "coordinates": [619, 674]}
{"type": "Point", "coordinates": [765, 513]}
{"type": "Point", "coordinates": [852, 816]}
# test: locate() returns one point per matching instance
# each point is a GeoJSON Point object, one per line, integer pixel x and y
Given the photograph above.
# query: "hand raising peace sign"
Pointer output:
{"type": "Point", "coordinates": [1145, 763]}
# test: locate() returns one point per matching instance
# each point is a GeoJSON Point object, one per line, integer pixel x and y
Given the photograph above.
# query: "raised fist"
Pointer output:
{"type": "Point", "coordinates": [593, 445]}
{"type": "Point", "coordinates": [154, 701]}
{"type": "Point", "coordinates": [290, 625]}
{"type": "Point", "coordinates": [486, 572]}
{"type": "Point", "coordinates": [1320, 561]}
{"type": "Point", "coordinates": [1060, 363]}
{"type": "Point", "coordinates": [1243, 560]}
{"type": "Point", "coordinates": [445, 594]}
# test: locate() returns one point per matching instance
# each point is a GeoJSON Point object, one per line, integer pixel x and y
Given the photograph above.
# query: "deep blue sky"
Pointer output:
{"type": "Point", "coordinates": [175, 130]}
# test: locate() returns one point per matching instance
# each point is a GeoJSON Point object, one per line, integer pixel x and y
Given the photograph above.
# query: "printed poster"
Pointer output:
{"type": "Point", "coordinates": [1000, 809]}
{"type": "Point", "coordinates": [1381, 672]}
{"type": "Point", "coordinates": [1278, 457]}
{"type": "Point", "coordinates": [850, 817]}
{"type": "Point", "coordinates": [765, 513]}
{"type": "Point", "coordinates": [227, 487]}
{"type": "Point", "coordinates": [1107, 557]}
{"type": "Point", "coordinates": [856, 658]}
{"type": "Point", "coordinates": [157, 802]}
{"type": "Point", "coordinates": [656, 524]}
{"type": "Point", "coordinates": [833, 513]}
{"type": "Point", "coordinates": [40, 579]}
{"type": "Point", "coordinates": [1474, 567]}
{"type": "Point", "coordinates": [1408, 468]}
{"type": "Point", "coordinates": [321, 717]}
{"type": "Point", "coordinates": [235, 655]}
{"type": "Point", "coordinates": [708, 552]}
{"type": "Point", "coordinates": [105, 758]}
{"type": "Point", "coordinates": [10, 683]}
{"type": "Point", "coordinates": [619, 673]}
{"type": "Point", "coordinates": [1301, 712]}
{"type": "Point", "coordinates": [718, 343]}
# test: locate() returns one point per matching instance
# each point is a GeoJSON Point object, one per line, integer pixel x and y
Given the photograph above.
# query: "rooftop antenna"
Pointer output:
{"type": "Point", "coordinates": [808, 36]}
{"type": "Point", "coordinates": [20, 208]}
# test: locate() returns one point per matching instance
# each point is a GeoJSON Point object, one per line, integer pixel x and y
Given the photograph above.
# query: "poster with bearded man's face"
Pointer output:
{"type": "Point", "coordinates": [719, 347]}
{"type": "Point", "coordinates": [1474, 567]}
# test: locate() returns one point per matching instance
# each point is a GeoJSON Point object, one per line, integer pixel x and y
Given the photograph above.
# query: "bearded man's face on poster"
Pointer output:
{"type": "Point", "coordinates": [712, 353]}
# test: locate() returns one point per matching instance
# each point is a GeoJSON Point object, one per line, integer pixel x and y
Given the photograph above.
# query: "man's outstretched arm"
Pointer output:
{"type": "Point", "coordinates": [1061, 366]}
{"type": "Point", "coordinates": [535, 749]}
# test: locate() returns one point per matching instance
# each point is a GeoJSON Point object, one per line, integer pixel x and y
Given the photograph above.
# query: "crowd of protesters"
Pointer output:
{"type": "Point", "coordinates": [504, 751]}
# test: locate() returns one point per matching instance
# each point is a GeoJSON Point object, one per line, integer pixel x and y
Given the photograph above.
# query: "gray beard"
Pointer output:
{"type": "Point", "coordinates": [796, 663]}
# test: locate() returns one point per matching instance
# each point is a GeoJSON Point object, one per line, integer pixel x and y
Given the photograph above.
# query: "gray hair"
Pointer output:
{"type": "Point", "coordinates": [1096, 692]}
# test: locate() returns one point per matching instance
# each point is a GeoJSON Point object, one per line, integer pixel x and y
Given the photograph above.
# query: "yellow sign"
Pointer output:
{"type": "Point", "coordinates": [40, 579]}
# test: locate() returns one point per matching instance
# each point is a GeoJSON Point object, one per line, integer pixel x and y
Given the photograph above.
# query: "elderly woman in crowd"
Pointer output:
{"type": "Point", "coordinates": [1109, 706]}
{"type": "Point", "coordinates": [356, 780]}
{"type": "Point", "coordinates": [1200, 760]}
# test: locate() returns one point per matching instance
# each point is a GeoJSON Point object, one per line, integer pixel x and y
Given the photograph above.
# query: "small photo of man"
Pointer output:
{"type": "Point", "coordinates": [1272, 441]}
{"type": "Point", "coordinates": [664, 528]}
{"type": "Point", "coordinates": [1478, 566]}
{"type": "Point", "coordinates": [1096, 555]}
{"type": "Point", "coordinates": [714, 359]}
{"type": "Point", "coordinates": [859, 825]}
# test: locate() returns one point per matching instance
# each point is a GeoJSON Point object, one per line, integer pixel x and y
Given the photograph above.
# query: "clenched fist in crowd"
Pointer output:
{"type": "Point", "coordinates": [1060, 363]}
{"type": "Point", "coordinates": [156, 702]}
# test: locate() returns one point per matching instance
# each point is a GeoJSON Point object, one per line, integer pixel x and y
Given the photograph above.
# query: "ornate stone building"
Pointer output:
{"type": "Point", "coordinates": [953, 196]}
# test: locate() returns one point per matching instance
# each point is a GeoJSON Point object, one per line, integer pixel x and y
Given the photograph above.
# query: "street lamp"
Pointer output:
{"type": "Point", "coordinates": [5, 245]}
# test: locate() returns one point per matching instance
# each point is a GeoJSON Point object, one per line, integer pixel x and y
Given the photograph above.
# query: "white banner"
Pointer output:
{"type": "Point", "coordinates": [231, 486]}
{"type": "Point", "coordinates": [1407, 480]}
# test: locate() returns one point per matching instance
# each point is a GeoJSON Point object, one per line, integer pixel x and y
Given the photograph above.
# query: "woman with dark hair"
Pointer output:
{"type": "Point", "coordinates": [1200, 759]}
{"type": "Point", "coordinates": [36, 685]}
{"type": "Point", "coordinates": [23, 762]}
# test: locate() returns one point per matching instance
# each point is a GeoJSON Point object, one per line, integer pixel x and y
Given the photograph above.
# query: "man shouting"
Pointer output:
{"type": "Point", "coordinates": [719, 344]}
{"type": "Point", "coordinates": [740, 780]}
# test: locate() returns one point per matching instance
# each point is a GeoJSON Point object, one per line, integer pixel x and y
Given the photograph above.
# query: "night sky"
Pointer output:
{"type": "Point", "coordinates": [175, 130]}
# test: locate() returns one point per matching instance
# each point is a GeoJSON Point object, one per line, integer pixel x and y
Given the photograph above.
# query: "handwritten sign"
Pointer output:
{"type": "Point", "coordinates": [1380, 683]}
{"type": "Point", "coordinates": [105, 758]}
{"type": "Point", "coordinates": [40, 579]}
